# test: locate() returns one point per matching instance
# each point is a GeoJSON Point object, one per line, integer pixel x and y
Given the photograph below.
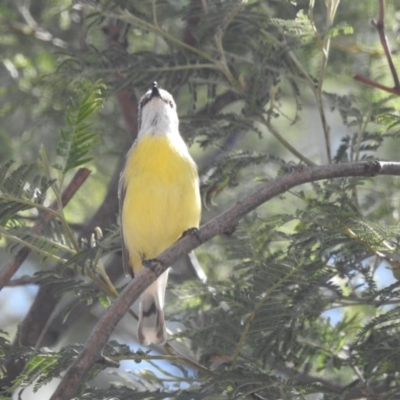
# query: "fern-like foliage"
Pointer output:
{"type": "Point", "coordinates": [78, 138]}
{"type": "Point", "coordinates": [24, 188]}
{"type": "Point", "coordinates": [21, 189]}
{"type": "Point", "coordinates": [294, 305]}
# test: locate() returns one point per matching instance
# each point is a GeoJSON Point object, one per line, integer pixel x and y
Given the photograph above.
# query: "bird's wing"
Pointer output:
{"type": "Point", "coordinates": [125, 254]}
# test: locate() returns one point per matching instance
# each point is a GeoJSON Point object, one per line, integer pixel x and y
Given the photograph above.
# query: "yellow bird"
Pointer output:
{"type": "Point", "coordinates": [159, 200]}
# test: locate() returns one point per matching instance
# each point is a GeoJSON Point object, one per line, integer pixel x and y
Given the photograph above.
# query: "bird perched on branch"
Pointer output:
{"type": "Point", "coordinates": [159, 201]}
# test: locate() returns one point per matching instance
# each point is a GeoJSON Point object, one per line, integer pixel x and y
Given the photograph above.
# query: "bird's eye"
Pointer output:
{"type": "Point", "coordinates": [171, 104]}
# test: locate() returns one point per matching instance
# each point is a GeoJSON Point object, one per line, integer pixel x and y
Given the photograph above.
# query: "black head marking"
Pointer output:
{"type": "Point", "coordinates": [154, 91]}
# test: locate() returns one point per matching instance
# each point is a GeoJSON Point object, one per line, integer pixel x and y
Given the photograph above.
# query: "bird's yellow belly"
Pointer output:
{"type": "Point", "coordinates": [162, 197]}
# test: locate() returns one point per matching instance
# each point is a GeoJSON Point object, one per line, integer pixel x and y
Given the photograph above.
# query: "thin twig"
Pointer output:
{"type": "Point", "coordinates": [331, 8]}
{"type": "Point", "coordinates": [154, 9]}
{"type": "Point", "coordinates": [185, 360]}
{"type": "Point", "coordinates": [283, 141]}
{"type": "Point", "coordinates": [218, 66]}
{"type": "Point", "coordinates": [380, 27]}
{"type": "Point", "coordinates": [257, 309]}
{"type": "Point", "coordinates": [23, 280]}
{"type": "Point", "coordinates": [91, 353]}
{"type": "Point", "coordinates": [32, 28]}
{"type": "Point", "coordinates": [77, 181]}
{"type": "Point", "coordinates": [315, 88]}
{"type": "Point", "coordinates": [31, 246]}
{"type": "Point", "coordinates": [350, 391]}
{"type": "Point", "coordinates": [377, 85]}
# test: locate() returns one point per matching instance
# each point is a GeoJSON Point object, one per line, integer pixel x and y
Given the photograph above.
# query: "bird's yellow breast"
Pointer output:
{"type": "Point", "coordinates": [162, 197]}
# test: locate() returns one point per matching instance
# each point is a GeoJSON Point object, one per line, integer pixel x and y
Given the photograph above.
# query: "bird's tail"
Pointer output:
{"type": "Point", "coordinates": [151, 327]}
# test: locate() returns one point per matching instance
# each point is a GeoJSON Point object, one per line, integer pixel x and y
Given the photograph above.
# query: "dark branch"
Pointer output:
{"type": "Point", "coordinates": [196, 10]}
{"type": "Point", "coordinates": [77, 181]}
{"type": "Point", "coordinates": [23, 280]}
{"type": "Point", "coordinates": [380, 27]}
{"type": "Point", "coordinates": [377, 85]}
{"type": "Point", "coordinates": [128, 103]}
{"type": "Point", "coordinates": [33, 324]}
{"type": "Point", "coordinates": [91, 353]}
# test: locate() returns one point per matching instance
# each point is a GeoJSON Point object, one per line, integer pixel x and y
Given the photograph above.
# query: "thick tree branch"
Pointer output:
{"type": "Point", "coordinates": [91, 352]}
{"type": "Point", "coordinates": [77, 181]}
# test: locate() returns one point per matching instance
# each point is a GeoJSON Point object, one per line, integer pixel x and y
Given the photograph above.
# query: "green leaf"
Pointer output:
{"type": "Point", "coordinates": [105, 301]}
{"type": "Point", "coordinates": [78, 138]}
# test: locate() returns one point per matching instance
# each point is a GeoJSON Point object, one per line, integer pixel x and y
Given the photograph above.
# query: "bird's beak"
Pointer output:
{"type": "Point", "coordinates": [154, 91]}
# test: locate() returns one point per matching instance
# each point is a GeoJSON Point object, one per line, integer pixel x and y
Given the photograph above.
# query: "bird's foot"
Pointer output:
{"type": "Point", "coordinates": [194, 232]}
{"type": "Point", "coordinates": [156, 265]}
